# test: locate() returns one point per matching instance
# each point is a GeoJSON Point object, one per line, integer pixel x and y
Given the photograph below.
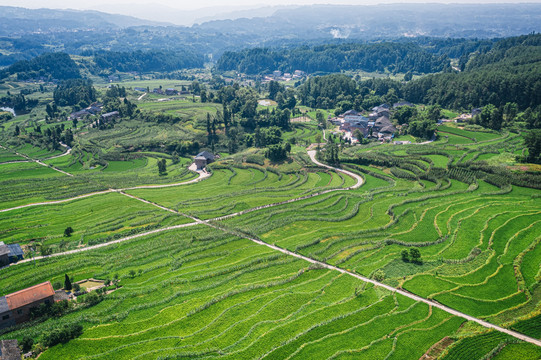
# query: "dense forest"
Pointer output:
{"type": "Point", "coordinates": [49, 65]}
{"type": "Point", "coordinates": [510, 72]}
{"type": "Point", "coordinates": [147, 61]}
{"type": "Point", "coordinates": [389, 56]}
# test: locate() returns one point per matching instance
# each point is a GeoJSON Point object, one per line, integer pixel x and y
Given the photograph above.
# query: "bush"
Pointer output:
{"type": "Point", "coordinates": [26, 343]}
{"type": "Point", "coordinates": [62, 335]}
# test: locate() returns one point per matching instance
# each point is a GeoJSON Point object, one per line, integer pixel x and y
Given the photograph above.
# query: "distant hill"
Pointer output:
{"type": "Point", "coordinates": [383, 21]}
{"type": "Point", "coordinates": [17, 21]}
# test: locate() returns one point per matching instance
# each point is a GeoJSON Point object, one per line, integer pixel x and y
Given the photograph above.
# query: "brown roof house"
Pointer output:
{"type": "Point", "coordinates": [15, 308]}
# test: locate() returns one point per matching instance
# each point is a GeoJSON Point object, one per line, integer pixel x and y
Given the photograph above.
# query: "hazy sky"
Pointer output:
{"type": "Point", "coordinates": [190, 4]}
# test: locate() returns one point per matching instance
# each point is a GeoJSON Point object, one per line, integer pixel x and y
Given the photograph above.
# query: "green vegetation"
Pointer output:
{"type": "Point", "coordinates": [182, 254]}
{"type": "Point", "coordinates": [394, 57]}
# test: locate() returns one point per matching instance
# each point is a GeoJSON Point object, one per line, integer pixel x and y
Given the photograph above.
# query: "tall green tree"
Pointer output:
{"type": "Point", "coordinates": [67, 283]}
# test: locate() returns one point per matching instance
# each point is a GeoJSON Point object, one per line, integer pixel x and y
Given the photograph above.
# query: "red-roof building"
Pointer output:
{"type": "Point", "coordinates": [15, 308]}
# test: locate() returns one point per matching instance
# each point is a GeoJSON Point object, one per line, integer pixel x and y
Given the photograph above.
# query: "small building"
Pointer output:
{"type": "Point", "coordinates": [10, 253]}
{"type": "Point", "coordinates": [110, 116]}
{"type": "Point", "coordinates": [402, 103]}
{"type": "Point", "coordinates": [171, 91]}
{"type": "Point", "coordinates": [276, 73]}
{"type": "Point", "coordinates": [9, 350]}
{"type": "Point", "coordinates": [203, 158]}
{"type": "Point", "coordinates": [140, 89]}
{"type": "Point", "coordinates": [158, 91]}
{"type": "Point", "coordinates": [15, 308]}
{"type": "Point", "coordinates": [200, 162]}
{"type": "Point", "coordinates": [79, 114]}
{"type": "Point", "coordinates": [476, 111]}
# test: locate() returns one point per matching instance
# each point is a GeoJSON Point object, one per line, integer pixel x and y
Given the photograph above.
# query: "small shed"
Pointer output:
{"type": "Point", "coordinates": [203, 158]}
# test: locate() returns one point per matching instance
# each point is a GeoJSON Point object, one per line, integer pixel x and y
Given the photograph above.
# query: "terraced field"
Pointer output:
{"type": "Point", "coordinates": [205, 294]}
{"type": "Point", "coordinates": [207, 291]}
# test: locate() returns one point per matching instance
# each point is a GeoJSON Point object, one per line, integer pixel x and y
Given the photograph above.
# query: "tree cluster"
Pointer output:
{"type": "Point", "coordinates": [75, 92]}
{"type": "Point", "coordinates": [394, 57]}
{"type": "Point", "coordinates": [147, 61]}
{"type": "Point", "coordinates": [49, 66]}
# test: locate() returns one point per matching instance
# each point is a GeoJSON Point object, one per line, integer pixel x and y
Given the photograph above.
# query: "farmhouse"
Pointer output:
{"type": "Point", "coordinates": [202, 159]}
{"type": "Point", "coordinates": [15, 308]}
{"type": "Point", "coordinates": [171, 91]}
{"type": "Point", "coordinates": [10, 253]}
{"type": "Point", "coordinates": [79, 114]}
{"type": "Point", "coordinates": [110, 115]}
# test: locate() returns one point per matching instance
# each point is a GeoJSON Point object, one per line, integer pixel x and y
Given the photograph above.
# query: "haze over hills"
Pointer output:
{"type": "Point", "coordinates": [17, 20]}
{"type": "Point", "coordinates": [335, 21]}
{"type": "Point", "coordinates": [304, 22]}
{"type": "Point", "coordinates": [157, 12]}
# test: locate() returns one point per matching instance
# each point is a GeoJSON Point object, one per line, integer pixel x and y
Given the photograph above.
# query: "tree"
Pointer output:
{"type": "Point", "coordinates": [67, 283]}
{"type": "Point", "coordinates": [320, 118]}
{"type": "Point", "coordinates": [132, 273]}
{"type": "Point", "coordinates": [68, 231]}
{"type": "Point", "coordinates": [405, 114]}
{"type": "Point", "coordinates": [405, 255]}
{"type": "Point", "coordinates": [532, 141]}
{"type": "Point", "coordinates": [408, 76]}
{"type": "Point", "coordinates": [415, 255]}
{"type": "Point", "coordinates": [26, 343]}
{"type": "Point", "coordinates": [17, 130]}
{"type": "Point", "coordinates": [62, 335]}
{"type": "Point", "coordinates": [379, 275]}
{"type": "Point", "coordinates": [162, 167]}
{"type": "Point", "coordinates": [76, 287]}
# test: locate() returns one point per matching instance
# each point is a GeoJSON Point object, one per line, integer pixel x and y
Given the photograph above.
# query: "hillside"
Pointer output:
{"type": "Point", "coordinates": [17, 21]}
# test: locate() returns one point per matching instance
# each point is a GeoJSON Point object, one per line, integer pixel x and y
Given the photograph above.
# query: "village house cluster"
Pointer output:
{"type": "Point", "coordinates": [376, 125]}
{"type": "Point", "coordinates": [277, 75]}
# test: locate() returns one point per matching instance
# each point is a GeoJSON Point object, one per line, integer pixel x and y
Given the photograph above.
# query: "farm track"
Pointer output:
{"type": "Point", "coordinates": [211, 223]}
{"type": "Point", "coordinates": [29, 159]}
{"type": "Point", "coordinates": [202, 176]}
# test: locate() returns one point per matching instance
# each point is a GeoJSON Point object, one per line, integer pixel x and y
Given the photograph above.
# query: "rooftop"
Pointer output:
{"type": "Point", "coordinates": [4, 250]}
{"type": "Point", "coordinates": [3, 305]}
{"type": "Point", "coordinates": [29, 295]}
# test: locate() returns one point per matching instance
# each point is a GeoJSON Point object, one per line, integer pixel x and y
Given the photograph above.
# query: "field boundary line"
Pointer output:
{"type": "Point", "coordinates": [201, 176]}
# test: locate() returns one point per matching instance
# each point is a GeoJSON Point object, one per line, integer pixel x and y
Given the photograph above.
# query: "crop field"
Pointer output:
{"type": "Point", "coordinates": [94, 219]}
{"type": "Point", "coordinates": [203, 293]}
{"type": "Point", "coordinates": [218, 268]}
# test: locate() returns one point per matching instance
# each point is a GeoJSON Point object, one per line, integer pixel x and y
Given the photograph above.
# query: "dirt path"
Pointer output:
{"type": "Point", "coordinates": [29, 159]}
{"type": "Point", "coordinates": [202, 175]}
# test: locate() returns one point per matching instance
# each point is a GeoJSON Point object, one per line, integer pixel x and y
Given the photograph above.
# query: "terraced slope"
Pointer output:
{"type": "Point", "coordinates": [205, 294]}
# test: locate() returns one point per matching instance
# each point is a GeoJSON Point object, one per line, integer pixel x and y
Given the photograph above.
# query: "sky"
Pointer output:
{"type": "Point", "coordinates": [192, 5]}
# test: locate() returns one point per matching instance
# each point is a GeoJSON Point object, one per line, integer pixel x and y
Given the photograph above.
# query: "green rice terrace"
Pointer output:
{"type": "Point", "coordinates": [194, 278]}
{"type": "Point", "coordinates": [425, 250]}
